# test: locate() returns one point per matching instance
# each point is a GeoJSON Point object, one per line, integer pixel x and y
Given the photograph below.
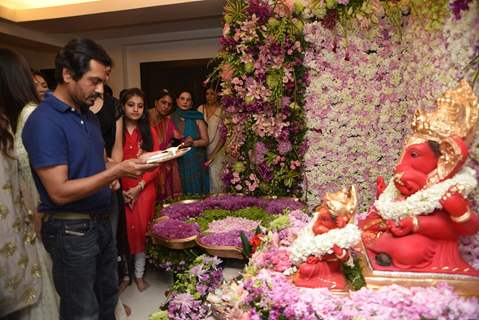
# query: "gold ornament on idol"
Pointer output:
{"type": "Point", "coordinates": [343, 202]}
{"type": "Point", "coordinates": [456, 115]}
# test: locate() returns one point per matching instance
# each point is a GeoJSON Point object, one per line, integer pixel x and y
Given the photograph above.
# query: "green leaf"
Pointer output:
{"type": "Point", "coordinates": [246, 245]}
{"type": "Point", "coordinates": [235, 10]}
{"type": "Point", "coordinates": [354, 275]}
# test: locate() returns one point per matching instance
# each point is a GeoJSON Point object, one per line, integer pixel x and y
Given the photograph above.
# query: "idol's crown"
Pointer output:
{"type": "Point", "coordinates": [456, 114]}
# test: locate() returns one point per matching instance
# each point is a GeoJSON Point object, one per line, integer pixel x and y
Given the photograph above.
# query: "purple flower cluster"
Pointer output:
{"type": "Point", "coordinates": [184, 306]}
{"type": "Point", "coordinates": [173, 267]}
{"type": "Point", "coordinates": [276, 259]}
{"type": "Point", "coordinates": [230, 238]}
{"type": "Point", "coordinates": [260, 152]}
{"type": "Point", "coordinates": [298, 220]}
{"type": "Point", "coordinates": [175, 229]}
{"type": "Point", "coordinates": [284, 146]}
{"type": "Point", "coordinates": [469, 248]}
{"type": "Point", "coordinates": [191, 288]}
{"type": "Point", "coordinates": [232, 223]}
{"type": "Point", "coordinates": [184, 211]}
{"type": "Point", "coordinates": [277, 206]}
{"type": "Point", "coordinates": [263, 81]}
{"type": "Point", "coordinates": [458, 6]}
{"type": "Point", "coordinates": [274, 293]}
{"type": "Point", "coordinates": [208, 274]}
{"type": "Point", "coordinates": [261, 9]}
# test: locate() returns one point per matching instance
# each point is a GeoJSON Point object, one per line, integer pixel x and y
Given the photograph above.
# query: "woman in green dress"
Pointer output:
{"type": "Point", "coordinates": [190, 123]}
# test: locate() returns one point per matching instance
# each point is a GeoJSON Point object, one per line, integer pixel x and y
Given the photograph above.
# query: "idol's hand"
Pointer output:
{"type": "Point", "coordinates": [454, 203]}
{"type": "Point", "coordinates": [402, 228]}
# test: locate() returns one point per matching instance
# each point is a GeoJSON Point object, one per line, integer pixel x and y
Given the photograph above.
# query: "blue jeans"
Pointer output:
{"type": "Point", "coordinates": [84, 267]}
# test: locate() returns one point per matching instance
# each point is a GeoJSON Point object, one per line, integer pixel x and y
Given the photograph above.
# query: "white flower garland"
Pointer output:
{"type": "Point", "coordinates": [307, 243]}
{"type": "Point", "coordinates": [424, 201]}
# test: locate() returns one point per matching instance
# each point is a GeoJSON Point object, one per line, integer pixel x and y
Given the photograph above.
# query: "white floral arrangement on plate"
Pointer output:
{"type": "Point", "coordinates": [307, 243]}
{"type": "Point", "coordinates": [424, 201]}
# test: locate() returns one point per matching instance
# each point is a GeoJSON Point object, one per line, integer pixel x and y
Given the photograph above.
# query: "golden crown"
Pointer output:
{"type": "Point", "coordinates": [456, 114]}
{"type": "Point", "coordinates": [343, 202]}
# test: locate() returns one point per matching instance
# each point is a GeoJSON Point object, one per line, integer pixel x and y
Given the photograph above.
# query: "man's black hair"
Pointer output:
{"type": "Point", "coordinates": [107, 90]}
{"type": "Point", "coordinates": [76, 56]}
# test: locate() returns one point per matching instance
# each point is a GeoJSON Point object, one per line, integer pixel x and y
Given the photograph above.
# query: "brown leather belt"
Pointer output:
{"type": "Point", "coordinates": [75, 216]}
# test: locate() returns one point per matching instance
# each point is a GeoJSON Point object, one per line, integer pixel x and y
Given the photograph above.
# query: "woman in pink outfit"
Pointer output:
{"type": "Point", "coordinates": [169, 183]}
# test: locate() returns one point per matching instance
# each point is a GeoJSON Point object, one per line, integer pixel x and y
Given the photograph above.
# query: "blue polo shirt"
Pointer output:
{"type": "Point", "coordinates": [56, 134]}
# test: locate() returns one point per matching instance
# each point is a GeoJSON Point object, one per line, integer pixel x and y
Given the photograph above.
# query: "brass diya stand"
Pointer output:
{"type": "Point", "coordinates": [464, 285]}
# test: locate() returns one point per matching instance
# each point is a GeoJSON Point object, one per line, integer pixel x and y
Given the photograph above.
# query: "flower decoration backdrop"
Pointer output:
{"type": "Point", "coordinates": [262, 73]}
{"type": "Point", "coordinates": [320, 94]}
{"type": "Point", "coordinates": [364, 90]}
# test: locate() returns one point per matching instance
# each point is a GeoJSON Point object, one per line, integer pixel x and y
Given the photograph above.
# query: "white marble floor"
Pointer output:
{"type": "Point", "coordinates": [144, 303]}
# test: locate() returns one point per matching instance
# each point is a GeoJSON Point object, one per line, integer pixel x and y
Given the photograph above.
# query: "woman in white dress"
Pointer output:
{"type": "Point", "coordinates": [213, 115]}
{"type": "Point", "coordinates": [17, 90]}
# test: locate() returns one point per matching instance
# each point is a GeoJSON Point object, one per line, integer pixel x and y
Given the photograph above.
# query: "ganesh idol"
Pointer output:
{"type": "Point", "coordinates": [325, 243]}
{"type": "Point", "coordinates": [416, 223]}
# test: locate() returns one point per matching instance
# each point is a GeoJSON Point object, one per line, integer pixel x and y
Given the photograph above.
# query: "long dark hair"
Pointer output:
{"type": "Point", "coordinates": [16, 90]}
{"type": "Point", "coordinates": [143, 122]}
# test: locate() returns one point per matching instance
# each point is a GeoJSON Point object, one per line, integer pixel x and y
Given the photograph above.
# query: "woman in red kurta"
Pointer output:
{"type": "Point", "coordinates": [139, 193]}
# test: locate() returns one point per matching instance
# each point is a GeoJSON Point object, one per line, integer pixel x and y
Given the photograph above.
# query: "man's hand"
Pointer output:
{"type": "Point", "coordinates": [110, 162]}
{"type": "Point", "coordinates": [133, 168]}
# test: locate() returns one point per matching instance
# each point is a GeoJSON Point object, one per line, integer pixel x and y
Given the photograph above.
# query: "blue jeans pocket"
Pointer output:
{"type": "Point", "coordinates": [80, 241]}
{"type": "Point", "coordinates": [77, 228]}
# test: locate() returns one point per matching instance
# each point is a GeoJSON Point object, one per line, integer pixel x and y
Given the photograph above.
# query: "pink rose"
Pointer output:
{"type": "Point", "coordinates": [226, 72]}
{"type": "Point", "coordinates": [284, 8]}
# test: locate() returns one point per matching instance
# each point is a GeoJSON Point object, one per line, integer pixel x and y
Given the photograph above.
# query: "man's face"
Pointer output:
{"type": "Point", "coordinates": [85, 90]}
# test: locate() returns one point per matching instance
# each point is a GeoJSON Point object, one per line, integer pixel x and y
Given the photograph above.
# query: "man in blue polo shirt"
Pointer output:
{"type": "Point", "coordinates": [66, 151]}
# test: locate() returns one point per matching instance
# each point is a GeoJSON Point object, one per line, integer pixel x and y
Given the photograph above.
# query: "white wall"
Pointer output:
{"type": "Point", "coordinates": [128, 53]}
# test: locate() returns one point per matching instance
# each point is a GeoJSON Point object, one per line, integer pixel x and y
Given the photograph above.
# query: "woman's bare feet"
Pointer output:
{"type": "Point", "coordinates": [123, 285]}
{"type": "Point", "coordinates": [141, 284]}
{"type": "Point", "coordinates": [127, 310]}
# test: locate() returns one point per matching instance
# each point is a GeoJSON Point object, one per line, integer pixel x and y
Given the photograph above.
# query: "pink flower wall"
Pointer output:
{"type": "Point", "coordinates": [363, 90]}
